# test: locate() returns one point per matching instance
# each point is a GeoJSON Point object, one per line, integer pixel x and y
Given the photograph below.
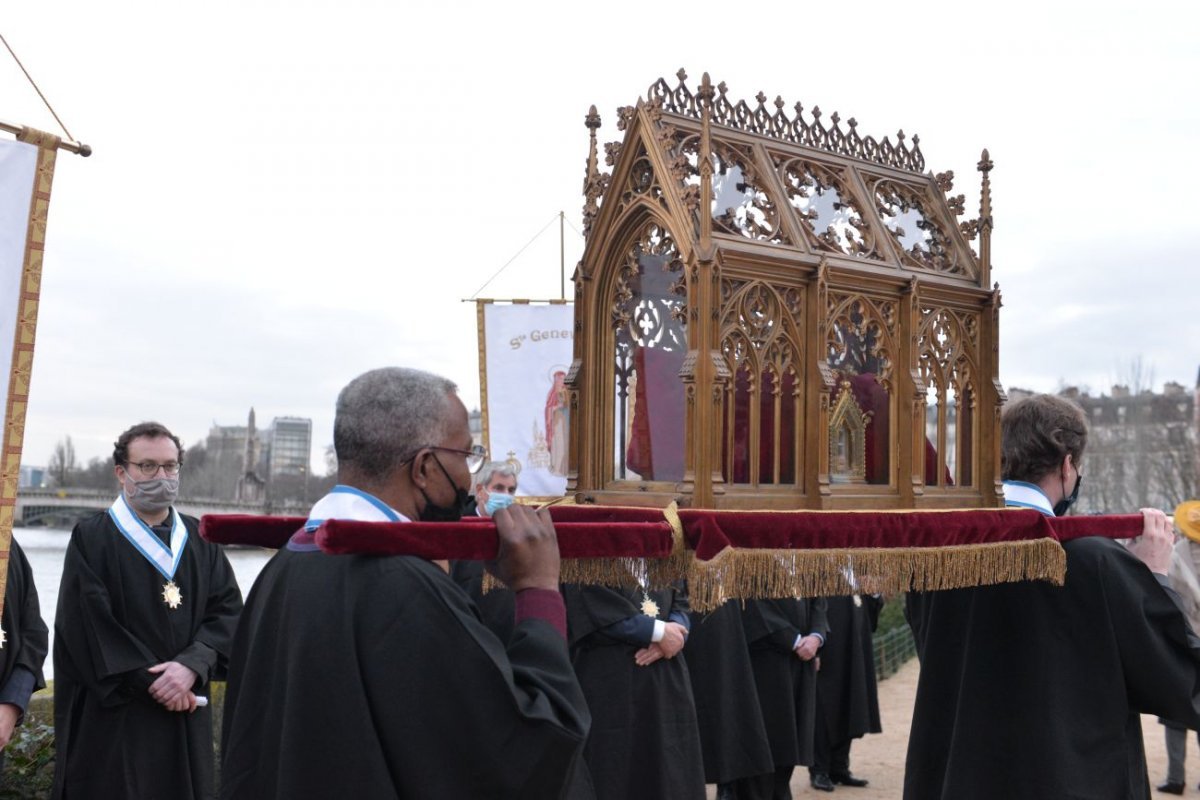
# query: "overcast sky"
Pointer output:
{"type": "Point", "coordinates": [285, 194]}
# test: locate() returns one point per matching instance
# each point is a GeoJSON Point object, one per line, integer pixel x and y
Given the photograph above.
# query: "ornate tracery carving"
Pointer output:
{"type": "Point", "coordinates": [827, 207]}
{"type": "Point", "coordinates": [641, 183]}
{"type": "Point", "coordinates": [905, 213]}
{"type": "Point", "coordinates": [858, 338]}
{"type": "Point", "coordinates": [780, 125]}
{"type": "Point", "coordinates": [741, 204]}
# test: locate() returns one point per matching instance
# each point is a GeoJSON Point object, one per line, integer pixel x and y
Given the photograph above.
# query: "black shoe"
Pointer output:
{"type": "Point", "coordinates": [820, 781]}
{"type": "Point", "coordinates": [1171, 787]}
{"type": "Point", "coordinates": [725, 792]}
{"type": "Point", "coordinates": [846, 779]}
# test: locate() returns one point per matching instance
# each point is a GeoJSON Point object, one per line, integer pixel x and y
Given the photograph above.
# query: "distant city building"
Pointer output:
{"type": "Point", "coordinates": [32, 478]}
{"type": "Point", "coordinates": [1143, 448]}
{"type": "Point", "coordinates": [289, 447]}
{"type": "Point", "coordinates": [225, 460]}
{"type": "Point", "coordinates": [247, 464]}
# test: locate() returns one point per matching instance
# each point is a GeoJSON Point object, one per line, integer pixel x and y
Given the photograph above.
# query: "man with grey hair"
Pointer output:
{"type": "Point", "coordinates": [495, 487]}
{"type": "Point", "coordinates": [372, 676]}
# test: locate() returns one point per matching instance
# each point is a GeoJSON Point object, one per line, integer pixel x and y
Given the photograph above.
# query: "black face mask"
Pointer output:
{"type": "Point", "coordinates": [1061, 506]}
{"type": "Point", "coordinates": [435, 513]}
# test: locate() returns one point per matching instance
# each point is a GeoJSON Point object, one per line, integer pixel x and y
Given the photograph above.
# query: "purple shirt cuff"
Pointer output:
{"type": "Point", "coordinates": [545, 604]}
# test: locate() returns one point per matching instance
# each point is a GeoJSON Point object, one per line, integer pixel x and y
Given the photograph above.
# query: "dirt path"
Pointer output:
{"type": "Point", "coordinates": [880, 758]}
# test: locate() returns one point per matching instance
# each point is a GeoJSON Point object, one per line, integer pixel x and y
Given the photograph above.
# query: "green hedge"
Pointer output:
{"type": "Point", "coordinates": [29, 757]}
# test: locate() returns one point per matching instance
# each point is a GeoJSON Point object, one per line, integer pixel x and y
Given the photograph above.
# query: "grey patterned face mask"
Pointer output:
{"type": "Point", "coordinates": [153, 495]}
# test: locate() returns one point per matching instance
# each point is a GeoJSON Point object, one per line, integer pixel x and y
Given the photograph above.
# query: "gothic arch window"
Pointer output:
{"type": "Point", "coordinates": [859, 352]}
{"type": "Point", "coordinates": [763, 410]}
{"type": "Point", "coordinates": [944, 343]}
{"type": "Point", "coordinates": [648, 316]}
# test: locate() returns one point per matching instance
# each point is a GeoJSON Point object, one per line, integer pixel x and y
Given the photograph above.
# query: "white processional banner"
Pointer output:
{"type": "Point", "coordinates": [526, 351]}
{"type": "Point", "coordinates": [26, 174]}
{"type": "Point", "coordinates": [18, 165]}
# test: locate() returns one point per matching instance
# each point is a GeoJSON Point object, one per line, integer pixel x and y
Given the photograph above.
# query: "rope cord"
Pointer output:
{"type": "Point", "coordinates": [514, 258]}
{"type": "Point", "coordinates": [36, 89]}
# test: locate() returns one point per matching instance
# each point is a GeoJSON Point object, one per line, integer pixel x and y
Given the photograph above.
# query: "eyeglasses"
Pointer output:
{"type": "Point", "coordinates": [149, 469]}
{"type": "Point", "coordinates": [476, 456]}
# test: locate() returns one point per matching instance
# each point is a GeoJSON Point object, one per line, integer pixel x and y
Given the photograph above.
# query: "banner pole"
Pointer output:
{"type": "Point", "coordinates": [78, 148]}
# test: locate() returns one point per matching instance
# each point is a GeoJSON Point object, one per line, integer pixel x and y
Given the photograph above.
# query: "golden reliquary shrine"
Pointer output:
{"type": "Point", "coordinates": [775, 312]}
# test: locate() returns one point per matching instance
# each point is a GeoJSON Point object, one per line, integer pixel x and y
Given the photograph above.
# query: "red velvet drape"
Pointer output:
{"type": "Point", "coordinates": [587, 531]}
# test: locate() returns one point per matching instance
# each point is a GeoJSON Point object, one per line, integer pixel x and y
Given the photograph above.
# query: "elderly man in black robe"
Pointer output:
{"type": "Point", "coordinates": [146, 614]}
{"type": "Point", "coordinates": [1034, 691]}
{"type": "Point", "coordinates": [372, 676]}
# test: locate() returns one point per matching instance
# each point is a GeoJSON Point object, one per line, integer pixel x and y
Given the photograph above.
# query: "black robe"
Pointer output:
{"type": "Point", "coordinates": [644, 741]}
{"type": "Point", "coordinates": [496, 608]}
{"type": "Point", "coordinates": [786, 685]}
{"type": "Point", "coordinates": [26, 635]}
{"type": "Point", "coordinates": [373, 677]}
{"type": "Point", "coordinates": [847, 696]}
{"type": "Point", "coordinates": [1033, 691]}
{"type": "Point", "coordinates": [113, 739]}
{"type": "Point", "coordinates": [732, 734]}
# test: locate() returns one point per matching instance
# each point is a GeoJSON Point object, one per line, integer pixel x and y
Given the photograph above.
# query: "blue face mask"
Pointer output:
{"type": "Point", "coordinates": [497, 501]}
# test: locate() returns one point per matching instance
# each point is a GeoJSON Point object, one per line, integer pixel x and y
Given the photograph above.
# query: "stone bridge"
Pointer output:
{"type": "Point", "coordinates": [63, 507]}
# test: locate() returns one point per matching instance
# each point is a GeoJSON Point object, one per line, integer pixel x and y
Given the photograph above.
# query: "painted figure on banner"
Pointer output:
{"type": "Point", "coordinates": [556, 423]}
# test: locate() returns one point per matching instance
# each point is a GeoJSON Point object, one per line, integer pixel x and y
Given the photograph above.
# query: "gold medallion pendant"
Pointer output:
{"type": "Point", "coordinates": [171, 595]}
{"type": "Point", "coordinates": [649, 607]}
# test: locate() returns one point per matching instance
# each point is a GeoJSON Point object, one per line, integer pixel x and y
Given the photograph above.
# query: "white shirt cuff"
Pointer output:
{"type": "Point", "coordinates": [660, 628]}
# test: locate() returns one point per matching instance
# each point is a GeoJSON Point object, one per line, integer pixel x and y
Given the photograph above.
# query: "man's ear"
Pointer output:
{"type": "Point", "coordinates": [419, 468]}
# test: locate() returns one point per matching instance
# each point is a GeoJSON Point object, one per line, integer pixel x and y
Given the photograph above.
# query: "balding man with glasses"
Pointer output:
{"type": "Point", "coordinates": [372, 676]}
{"type": "Point", "coordinates": [145, 621]}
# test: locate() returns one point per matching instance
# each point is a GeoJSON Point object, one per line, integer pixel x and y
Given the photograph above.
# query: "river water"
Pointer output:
{"type": "Point", "coordinates": [45, 548]}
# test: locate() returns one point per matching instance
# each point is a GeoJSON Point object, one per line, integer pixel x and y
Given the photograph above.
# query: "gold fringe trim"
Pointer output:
{"type": "Point", "coordinates": [763, 573]}
{"type": "Point", "coordinates": [744, 574]}
{"type": "Point", "coordinates": [618, 573]}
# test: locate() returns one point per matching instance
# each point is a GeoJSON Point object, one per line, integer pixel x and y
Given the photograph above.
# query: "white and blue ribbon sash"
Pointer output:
{"type": "Point", "coordinates": [346, 502]}
{"type": "Point", "coordinates": [145, 541]}
{"type": "Point", "coordinates": [1019, 494]}
{"type": "Point", "coordinates": [343, 502]}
